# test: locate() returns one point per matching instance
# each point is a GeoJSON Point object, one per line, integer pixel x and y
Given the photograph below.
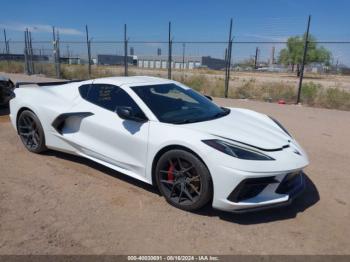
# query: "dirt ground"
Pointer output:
{"type": "Point", "coordinates": [240, 78]}
{"type": "Point", "coordinates": [60, 204]}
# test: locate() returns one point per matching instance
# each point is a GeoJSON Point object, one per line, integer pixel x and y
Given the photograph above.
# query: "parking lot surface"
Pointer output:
{"type": "Point", "coordinates": [56, 203]}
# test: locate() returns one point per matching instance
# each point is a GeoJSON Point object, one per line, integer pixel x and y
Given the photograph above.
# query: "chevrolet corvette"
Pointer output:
{"type": "Point", "coordinates": [166, 134]}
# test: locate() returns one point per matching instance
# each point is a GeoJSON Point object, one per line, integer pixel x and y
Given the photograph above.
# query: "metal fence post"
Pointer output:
{"type": "Point", "coordinates": [32, 70]}
{"type": "Point", "coordinates": [56, 52]}
{"type": "Point", "coordinates": [306, 42]}
{"type": "Point", "coordinates": [228, 61]}
{"type": "Point", "coordinates": [256, 58]}
{"type": "Point", "coordinates": [125, 52]}
{"type": "Point", "coordinates": [28, 56]}
{"type": "Point", "coordinates": [54, 48]}
{"type": "Point", "coordinates": [88, 49]}
{"type": "Point", "coordinates": [7, 49]}
{"type": "Point", "coordinates": [169, 52]}
{"type": "Point", "coordinates": [183, 61]}
{"type": "Point", "coordinates": [26, 68]}
{"type": "Point", "coordinates": [6, 43]}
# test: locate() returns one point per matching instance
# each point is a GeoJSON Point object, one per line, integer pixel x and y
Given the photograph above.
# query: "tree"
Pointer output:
{"type": "Point", "coordinates": [293, 53]}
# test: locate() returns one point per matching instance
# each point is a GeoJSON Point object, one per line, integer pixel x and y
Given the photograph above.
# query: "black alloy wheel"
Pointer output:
{"type": "Point", "coordinates": [183, 180]}
{"type": "Point", "coordinates": [31, 132]}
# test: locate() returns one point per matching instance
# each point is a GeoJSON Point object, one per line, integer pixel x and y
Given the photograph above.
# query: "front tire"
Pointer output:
{"type": "Point", "coordinates": [31, 132]}
{"type": "Point", "coordinates": [183, 180]}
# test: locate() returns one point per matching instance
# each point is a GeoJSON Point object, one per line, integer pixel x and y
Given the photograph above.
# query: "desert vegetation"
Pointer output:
{"type": "Point", "coordinates": [313, 94]}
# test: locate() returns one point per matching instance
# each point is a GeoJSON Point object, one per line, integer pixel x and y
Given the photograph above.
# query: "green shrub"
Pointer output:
{"type": "Point", "coordinates": [309, 93]}
{"type": "Point", "coordinates": [213, 86]}
{"type": "Point", "coordinates": [11, 66]}
{"type": "Point", "coordinates": [335, 98]}
{"type": "Point", "coordinates": [264, 91]}
{"type": "Point", "coordinates": [196, 82]}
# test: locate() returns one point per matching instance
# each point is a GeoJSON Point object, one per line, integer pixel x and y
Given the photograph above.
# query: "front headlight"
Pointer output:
{"type": "Point", "coordinates": [236, 150]}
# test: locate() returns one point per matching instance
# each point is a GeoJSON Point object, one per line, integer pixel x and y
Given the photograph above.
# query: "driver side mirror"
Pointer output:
{"type": "Point", "coordinates": [209, 97]}
{"type": "Point", "coordinates": [127, 113]}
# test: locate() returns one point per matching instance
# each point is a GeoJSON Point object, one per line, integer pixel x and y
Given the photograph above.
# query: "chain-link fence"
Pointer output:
{"type": "Point", "coordinates": [237, 69]}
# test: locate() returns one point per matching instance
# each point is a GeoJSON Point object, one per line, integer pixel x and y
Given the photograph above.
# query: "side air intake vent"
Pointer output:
{"type": "Point", "coordinates": [60, 122]}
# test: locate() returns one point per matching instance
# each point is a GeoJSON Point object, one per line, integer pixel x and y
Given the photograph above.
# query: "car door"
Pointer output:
{"type": "Point", "coordinates": [104, 136]}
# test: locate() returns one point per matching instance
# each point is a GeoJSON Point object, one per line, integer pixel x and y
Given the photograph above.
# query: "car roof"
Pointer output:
{"type": "Point", "coordinates": [132, 80]}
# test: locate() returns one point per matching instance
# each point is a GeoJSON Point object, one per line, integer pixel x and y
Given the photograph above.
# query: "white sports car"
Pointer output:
{"type": "Point", "coordinates": [166, 134]}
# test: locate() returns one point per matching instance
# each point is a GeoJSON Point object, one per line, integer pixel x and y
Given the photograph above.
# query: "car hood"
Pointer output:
{"type": "Point", "coordinates": [245, 126]}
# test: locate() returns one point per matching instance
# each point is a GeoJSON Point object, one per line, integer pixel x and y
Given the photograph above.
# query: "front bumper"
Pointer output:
{"type": "Point", "coordinates": [295, 190]}
{"type": "Point", "coordinates": [256, 192]}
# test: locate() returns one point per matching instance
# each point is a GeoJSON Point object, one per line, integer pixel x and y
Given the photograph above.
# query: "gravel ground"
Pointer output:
{"type": "Point", "coordinates": [60, 204]}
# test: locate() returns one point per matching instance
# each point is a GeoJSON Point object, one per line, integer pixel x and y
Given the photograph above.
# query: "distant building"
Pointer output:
{"type": "Point", "coordinates": [179, 62]}
{"type": "Point", "coordinates": [70, 60]}
{"type": "Point", "coordinates": [316, 67]}
{"type": "Point", "coordinates": [213, 63]}
{"type": "Point", "coordinates": [342, 69]}
{"type": "Point", "coordinates": [113, 60]}
{"type": "Point", "coordinates": [20, 57]}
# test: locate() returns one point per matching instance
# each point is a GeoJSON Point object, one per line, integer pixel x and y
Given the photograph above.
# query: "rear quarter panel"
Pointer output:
{"type": "Point", "coordinates": [45, 102]}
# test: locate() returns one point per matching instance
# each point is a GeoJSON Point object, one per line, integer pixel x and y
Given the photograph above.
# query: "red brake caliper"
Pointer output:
{"type": "Point", "coordinates": [170, 173]}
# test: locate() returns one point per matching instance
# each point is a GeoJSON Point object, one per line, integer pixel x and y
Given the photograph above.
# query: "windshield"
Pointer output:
{"type": "Point", "coordinates": [174, 104]}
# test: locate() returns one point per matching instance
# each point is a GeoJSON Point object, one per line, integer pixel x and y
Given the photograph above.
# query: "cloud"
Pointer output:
{"type": "Point", "coordinates": [268, 38]}
{"type": "Point", "coordinates": [40, 28]}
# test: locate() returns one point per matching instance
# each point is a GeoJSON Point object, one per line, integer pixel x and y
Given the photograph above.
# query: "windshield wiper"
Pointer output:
{"type": "Point", "coordinates": [225, 112]}
{"type": "Point", "coordinates": [185, 121]}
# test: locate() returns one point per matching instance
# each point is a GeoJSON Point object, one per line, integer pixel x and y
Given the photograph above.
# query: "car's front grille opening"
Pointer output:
{"type": "Point", "coordinates": [289, 183]}
{"type": "Point", "coordinates": [250, 187]}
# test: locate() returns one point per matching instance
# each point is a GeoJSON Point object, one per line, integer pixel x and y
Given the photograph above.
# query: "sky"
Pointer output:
{"type": "Point", "coordinates": [196, 20]}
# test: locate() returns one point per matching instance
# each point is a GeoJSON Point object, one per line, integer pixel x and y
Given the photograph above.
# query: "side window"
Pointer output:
{"type": "Point", "coordinates": [109, 97]}
{"type": "Point", "coordinates": [84, 90]}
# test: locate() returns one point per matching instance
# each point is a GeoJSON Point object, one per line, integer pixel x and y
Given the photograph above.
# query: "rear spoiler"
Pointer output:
{"type": "Point", "coordinates": [18, 84]}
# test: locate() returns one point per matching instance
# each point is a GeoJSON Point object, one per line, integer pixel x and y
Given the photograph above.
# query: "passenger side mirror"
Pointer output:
{"type": "Point", "coordinates": [127, 113]}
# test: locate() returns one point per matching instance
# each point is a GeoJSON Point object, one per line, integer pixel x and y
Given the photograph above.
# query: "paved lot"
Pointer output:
{"type": "Point", "coordinates": [61, 204]}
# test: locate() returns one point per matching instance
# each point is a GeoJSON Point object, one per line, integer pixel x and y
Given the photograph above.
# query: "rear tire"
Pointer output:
{"type": "Point", "coordinates": [31, 132]}
{"type": "Point", "coordinates": [183, 180]}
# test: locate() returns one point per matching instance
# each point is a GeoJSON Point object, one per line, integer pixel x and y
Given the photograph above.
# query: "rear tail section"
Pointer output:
{"type": "Point", "coordinates": [56, 83]}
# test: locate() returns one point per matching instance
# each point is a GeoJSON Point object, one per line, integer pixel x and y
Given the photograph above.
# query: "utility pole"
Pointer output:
{"type": "Point", "coordinates": [256, 58]}
{"type": "Point", "coordinates": [88, 49]}
{"type": "Point", "coordinates": [169, 52]}
{"type": "Point", "coordinates": [306, 42]}
{"type": "Point", "coordinates": [228, 60]}
{"type": "Point", "coordinates": [125, 52]}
